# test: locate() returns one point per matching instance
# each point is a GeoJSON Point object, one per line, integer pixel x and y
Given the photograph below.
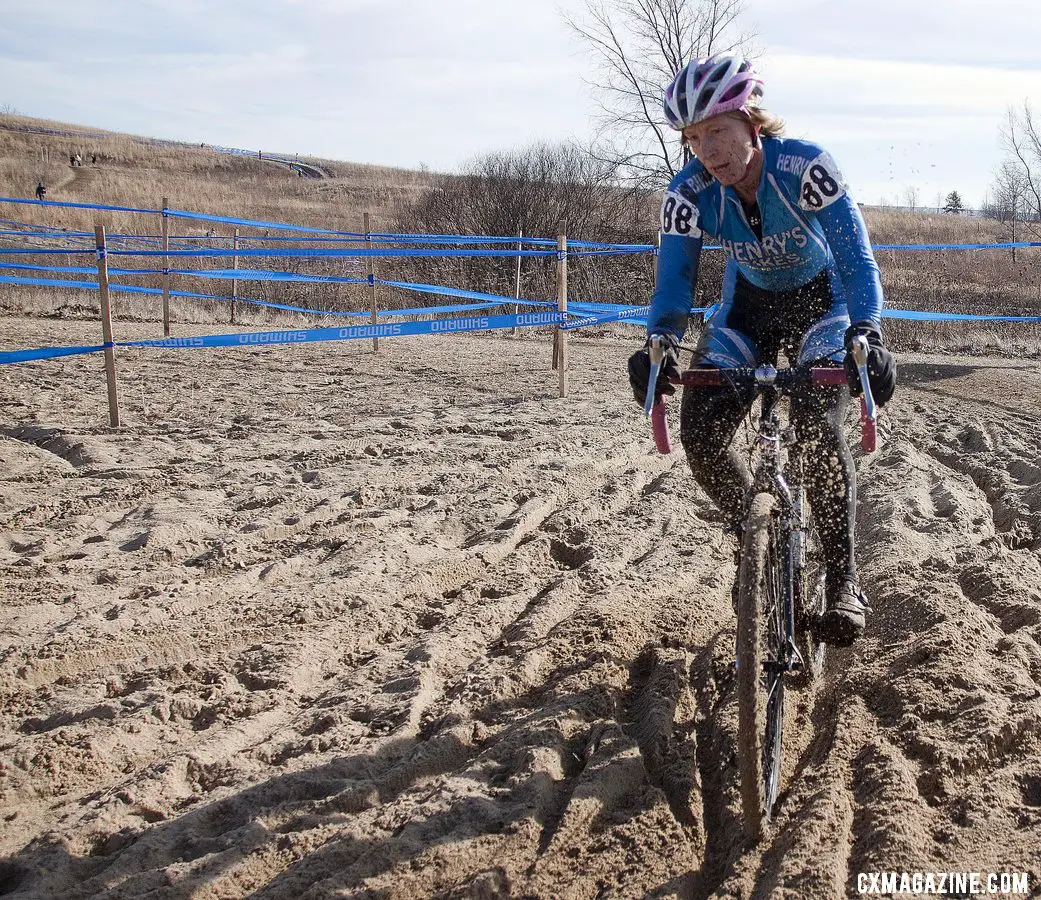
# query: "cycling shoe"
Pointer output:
{"type": "Point", "coordinates": [843, 619]}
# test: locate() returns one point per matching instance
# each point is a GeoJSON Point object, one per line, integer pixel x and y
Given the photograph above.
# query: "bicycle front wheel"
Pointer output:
{"type": "Point", "coordinates": [810, 601]}
{"type": "Point", "coordinates": [760, 666]}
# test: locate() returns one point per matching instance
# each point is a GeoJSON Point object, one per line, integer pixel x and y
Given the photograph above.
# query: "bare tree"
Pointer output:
{"type": "Point", "coordinates": [543, 189]}
{"type": "Point", "coordinates": [1010, 204]}
{"type": "Point", "coordinates": [1020, 176]}
{"type": "Point", "coordinates": [911, 194]}
{"type": "Point", "coordinates": [1010, 193]}
{"type": "Point", "coordinates": [638, 46]}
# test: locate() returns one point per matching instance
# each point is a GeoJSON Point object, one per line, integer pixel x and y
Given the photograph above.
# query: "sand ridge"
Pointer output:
{"type": "Point", "coordinates": [318, 623]}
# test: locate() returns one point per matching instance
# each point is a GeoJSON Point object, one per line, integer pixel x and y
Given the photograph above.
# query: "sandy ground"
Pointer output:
{"type": "Point", "coordinates": [317, 623]}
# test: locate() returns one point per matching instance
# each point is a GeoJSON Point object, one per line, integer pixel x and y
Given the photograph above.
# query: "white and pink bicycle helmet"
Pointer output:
{"type": "Point", "coordinates": [708, 87]}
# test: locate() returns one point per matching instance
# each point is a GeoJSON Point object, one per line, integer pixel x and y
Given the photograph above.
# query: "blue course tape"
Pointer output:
{"type": "Point", "coordinates": [458, 239]}
{"type": "Point", "coordinates": [14, 223]}
{"type": "Point", "coordinates": [15, 356]}
{"type": "Point", "coordinates": [265, 275]}
{"type": "Point", "coordinates": [319, 252]}
{"type": "Point", "coordinates": [82, 270]}
{"type": "Point", "coordinates": [633, 313]}
{"type": "Point", "coordinates": [56, 235]}
{"type": "Point", "coordinates": [479, 239]}
{"type": "Point", "coordinates": [68, 205]}
{"type": "Point", "coordinates": [254, 223]}
{"type": "Point", "coordinates": [39, 250]}
{"type": "Point", "coordinates": [952, 317]}
{"type": "Point", "coordinates": [307, 335]}
{"type": "Point", "coordinates": [52, 282]}
{"type": "Point", "coordinates": [1005, 246]}
{"type": "Point", "coordinates": [610, 252]}
{"type": "Point", "coordinates": [636, 315]}
{"type": "Point", "coordinates": [270, 304]}
{"type": "Point", "coordinates": [491, 299]}
{"type": "Point", "coordinates": [267, 240]}
{"type": "Point", "coordinates": [594, 313]}
{"type": "Point", "coordinates": [135, 289]}
{"type": "Point", "coordinates": [396, 329]}
{"type": "Point", "coordinates": [459, 292]}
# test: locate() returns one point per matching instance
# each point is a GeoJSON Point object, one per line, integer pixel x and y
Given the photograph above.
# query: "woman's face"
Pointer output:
{"type": "Point", "coordinates": [724, 144]}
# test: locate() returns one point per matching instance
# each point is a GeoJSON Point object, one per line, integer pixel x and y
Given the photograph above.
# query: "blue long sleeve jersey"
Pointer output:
{"type": "Point", "coordinates": [809, 223]}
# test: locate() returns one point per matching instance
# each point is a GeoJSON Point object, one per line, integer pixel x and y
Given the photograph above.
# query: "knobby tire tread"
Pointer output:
{"type": "Point", "coordinates": [751, 699]}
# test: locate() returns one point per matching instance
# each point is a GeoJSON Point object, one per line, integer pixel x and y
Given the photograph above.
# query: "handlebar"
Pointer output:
{"type": "Point", "coordinates": [765, 377]}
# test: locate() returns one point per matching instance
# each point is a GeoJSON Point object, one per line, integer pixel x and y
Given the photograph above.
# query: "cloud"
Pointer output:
{"type": "Point", "coordinates": [1000, 34]}
{"type": "Point", "coordinates": [395, 84]}
{"type": "Point", "coordinates": [441, 82]}
{"type": "Point", "coordinates": [899, 124]}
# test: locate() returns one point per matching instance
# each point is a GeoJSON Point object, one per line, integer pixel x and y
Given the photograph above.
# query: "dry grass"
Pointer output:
{"type": "Point", "coordinates": [136, 172]}
{"type": "Point", "coordinates": [974, 282]}
{"type": "Point", "coordinates": [140, 172]}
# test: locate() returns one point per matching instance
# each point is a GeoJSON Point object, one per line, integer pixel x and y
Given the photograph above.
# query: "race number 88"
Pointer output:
{"type": "Point", "coordinates": [676, 216]}
{"type": "Point", "coordinates": [820, 183]}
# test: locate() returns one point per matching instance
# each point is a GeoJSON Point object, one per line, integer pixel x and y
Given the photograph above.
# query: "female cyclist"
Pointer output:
{"type": "Point", "coordinates": [799, 271]}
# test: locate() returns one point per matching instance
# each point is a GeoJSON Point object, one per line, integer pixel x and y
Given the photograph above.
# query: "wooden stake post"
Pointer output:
{"type": "Point", "coordinates": [516, 284]}
{"type": "Point", "coordinates": [234, 281]}
{"type": "Point", "coordinates": [166, 271]}
{"type": "Point", "coordinates": [372, 284]}
{"type": "Point", "coordinates": [560, 353]}
{"type": "Point", "coordinates": [106, 326]}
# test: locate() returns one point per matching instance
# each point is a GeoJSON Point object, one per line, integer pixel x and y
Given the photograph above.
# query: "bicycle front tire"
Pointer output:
{"type": "Point", "coordinates": [808, 582]}
{"type": "Point", "coordinates": [760, 681]}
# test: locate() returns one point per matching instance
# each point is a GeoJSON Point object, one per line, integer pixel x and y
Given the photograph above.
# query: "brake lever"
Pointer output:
{"type": "Point", "coordinates": [859, 349]}
{"type": "Point", "coordinates": [656, 351]}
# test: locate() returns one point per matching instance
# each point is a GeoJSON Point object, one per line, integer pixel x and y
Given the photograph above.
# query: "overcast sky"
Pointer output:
{"type": "Point", "coordinates": [904, 93]}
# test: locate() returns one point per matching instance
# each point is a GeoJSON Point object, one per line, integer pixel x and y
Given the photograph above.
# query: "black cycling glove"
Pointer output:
{"type": "Point", "coordinates": [881, 365]}
{"type": "Point", "coordinates": [640, 369]}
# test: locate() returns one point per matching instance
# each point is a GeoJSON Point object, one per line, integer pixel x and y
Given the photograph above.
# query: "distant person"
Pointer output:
{"type": "Point", "coordinates": [79, 160]}
{"type": "Point", "coordinates": [93, 159]}
{"type": "Point", "coordinates": [800, 278]}
{"type": "Point", "coordinates": [41, 191]}
{"type": "Point", "coordinates": [72, 159]}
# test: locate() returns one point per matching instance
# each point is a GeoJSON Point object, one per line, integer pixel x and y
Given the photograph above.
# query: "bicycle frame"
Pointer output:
{"type": "Point", "coordinates": [781, 603]}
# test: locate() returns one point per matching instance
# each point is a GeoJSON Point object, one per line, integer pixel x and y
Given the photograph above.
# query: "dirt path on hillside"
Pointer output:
{"type": "Point", "coordinates": [316, 623]}
{"type": "Point", "coordinates": [75, 181]}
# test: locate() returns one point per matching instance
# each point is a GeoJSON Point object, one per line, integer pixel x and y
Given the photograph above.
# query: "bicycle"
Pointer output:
{"type": "Point", "coordinates": [780, 573]}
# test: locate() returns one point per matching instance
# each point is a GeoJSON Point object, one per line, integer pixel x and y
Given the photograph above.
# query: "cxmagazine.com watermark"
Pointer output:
{"type": "Point", "coordinates": [944, 884]}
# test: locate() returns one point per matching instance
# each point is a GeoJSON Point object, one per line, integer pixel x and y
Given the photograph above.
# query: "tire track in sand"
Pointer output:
{"type": "Point", "coordinates": [507, 671]}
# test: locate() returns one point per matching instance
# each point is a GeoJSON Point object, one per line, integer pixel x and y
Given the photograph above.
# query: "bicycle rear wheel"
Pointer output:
{"type": "Point", "coordinates": [760, 669]}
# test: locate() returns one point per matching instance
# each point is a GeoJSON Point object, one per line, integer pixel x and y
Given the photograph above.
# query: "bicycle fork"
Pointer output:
{"type": "Point", "coordinates": [795, 561]}
{"type": "Point", "coordinates": [791, 524]}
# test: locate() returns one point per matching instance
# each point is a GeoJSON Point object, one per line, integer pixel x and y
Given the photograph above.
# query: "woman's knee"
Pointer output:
{"type": "Point", "coordinates": [708, 419]}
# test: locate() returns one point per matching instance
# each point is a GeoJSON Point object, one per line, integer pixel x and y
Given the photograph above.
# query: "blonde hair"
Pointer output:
{"type": "Point", "coordinates": [769, 125]}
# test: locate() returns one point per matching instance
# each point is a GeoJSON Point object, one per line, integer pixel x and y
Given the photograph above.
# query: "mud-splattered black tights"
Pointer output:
{"type": "Point", "coordinates": [709, 419]}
